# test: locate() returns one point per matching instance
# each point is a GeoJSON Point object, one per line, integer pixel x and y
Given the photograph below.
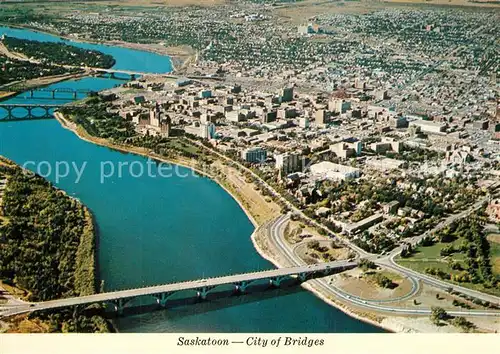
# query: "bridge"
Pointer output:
{"type": "Point", "coordinates": [201, 287]}
{"type": "Point", "coordinates": [72, 93]}
{"type": "Point", "coordinates": [134, 74]}
{"type": "Point", "coordinates": [113, 74]}
{"type": "Point", "coordinates": [29, 111]}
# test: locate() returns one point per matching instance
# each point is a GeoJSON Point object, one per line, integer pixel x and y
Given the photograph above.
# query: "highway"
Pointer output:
{"type": "Point", "coordinates": [201, 285]}
{"type": "Point", "coordinates": [386, 261]}
{"type": "Point", "coordinates": [276, 229]}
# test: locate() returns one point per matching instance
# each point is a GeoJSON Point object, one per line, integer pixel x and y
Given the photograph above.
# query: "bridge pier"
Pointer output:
{"type": "Point", "coordinates": [203, 292]}
{"type": "Point", "coordinates": [241, 287]}
{"type": "Point", "coordinates": [28, 109]}
{"type": "Point", "coordinates": [119, 305]}
{"type": "Point", "coordinates": [276, 281]}
{"type": "Point", "coordinates": [162, 298]}
{"type": "Point", "coordinates": [303, 277]}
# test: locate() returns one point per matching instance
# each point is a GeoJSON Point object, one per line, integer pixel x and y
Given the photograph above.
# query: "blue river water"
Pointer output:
{"type": "Point", "coordinates": [126, 59]}
{"type": "Point", "coordinates": [155, 230]}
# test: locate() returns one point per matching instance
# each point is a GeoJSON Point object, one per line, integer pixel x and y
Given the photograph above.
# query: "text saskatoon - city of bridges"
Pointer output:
{"type": "Point", "coordinates": [252, 342]}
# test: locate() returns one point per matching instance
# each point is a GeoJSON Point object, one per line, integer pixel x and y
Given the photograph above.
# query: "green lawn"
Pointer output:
{"type": "Point", "coordinates": [433, 252]}
{"type": "Point", "coordinates": [429, 257]}
{"type": "Point", "coordinates": [185, 146]}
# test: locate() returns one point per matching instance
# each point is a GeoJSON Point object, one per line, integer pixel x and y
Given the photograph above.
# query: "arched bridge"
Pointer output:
{"type": "Point", "coordinates": [53, 93]}
{"type": "Point", "coordinates": [11, 112]}
{"type": "Point", "coordinates": [50, 93]}
{"type": "Point", "coordinates": [202, 287]}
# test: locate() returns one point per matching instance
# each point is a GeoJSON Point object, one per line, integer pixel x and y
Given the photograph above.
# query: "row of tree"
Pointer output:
{"type": "Point", "coordinates": [59, 53]}
{"type": "Point", "coordinates": [440, 317]}
{"type": "Point", "coordinates": [12, 70]}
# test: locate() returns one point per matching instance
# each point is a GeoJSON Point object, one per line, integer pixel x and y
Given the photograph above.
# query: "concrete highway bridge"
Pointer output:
{"type": "Point", "coordinates": [201, 287]}
{"type": "Point", "coordinates": [12, 112]}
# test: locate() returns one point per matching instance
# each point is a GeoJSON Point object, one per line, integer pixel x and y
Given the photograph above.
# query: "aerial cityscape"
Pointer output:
{"type": "Point", "coordinates": [176, 166]}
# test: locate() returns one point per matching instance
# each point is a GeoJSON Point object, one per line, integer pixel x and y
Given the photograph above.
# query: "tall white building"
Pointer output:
{"type": "Point", "coordinates": [304, 122]}
{"type": "Point", "coordinates": [254, 155]}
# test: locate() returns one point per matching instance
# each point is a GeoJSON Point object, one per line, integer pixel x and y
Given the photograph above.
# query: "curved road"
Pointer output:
{"type": "Point", "coordinates": [276, 232]}
{"type": "Point", "coordinates": [387, 261]}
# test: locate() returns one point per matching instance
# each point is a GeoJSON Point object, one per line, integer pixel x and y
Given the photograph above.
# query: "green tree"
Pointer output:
{"type": "Point", "coordinates": [438, 314]}
{"type": "Point", "coordinates": [462, 323]}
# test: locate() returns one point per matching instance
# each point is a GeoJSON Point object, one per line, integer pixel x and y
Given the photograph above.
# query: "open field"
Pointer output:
{"type": "Point", "coordinates": [299, 12]}
{"type": "Point", "coordinates": [482, 3]}
{"type": "Point", "coordinates": [429, 257]}
{"type": "Point", "coordinates": [170, 3]}
{"type": "Point", "coordinates": [363, 284]}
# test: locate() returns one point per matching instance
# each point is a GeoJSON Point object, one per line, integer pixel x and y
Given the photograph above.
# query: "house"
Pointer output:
{"type": "Point", "coordinates": [493, 210]}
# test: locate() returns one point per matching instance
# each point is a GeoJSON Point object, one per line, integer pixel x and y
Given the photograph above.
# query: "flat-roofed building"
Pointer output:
{"type": "Point", "coordinates": [288, 163]}
{"type": "Point", "coordinates": [254, 154]}
{"type": "Point", "coordinates": [427, 126]}
{"type": "Point", "coordinates": [385, 164]}
{"type": "Point", "coordinates": [363, 224]}
{"type": "Point", "coordinates": [333, 171]}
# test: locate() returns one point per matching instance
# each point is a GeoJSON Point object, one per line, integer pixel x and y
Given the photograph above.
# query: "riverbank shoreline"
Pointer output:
{"type": "Point", "coordinates": [84, 272]}
{"type": "Point", "coordinates": [315, 291]}
{"type": "Point", "coordinates": [67, 124]}
{"type": "Point", "coordinates": [178, 56]}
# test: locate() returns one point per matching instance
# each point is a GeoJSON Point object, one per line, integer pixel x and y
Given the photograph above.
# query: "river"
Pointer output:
{"type": "Point", "coordinates": [155, 230]}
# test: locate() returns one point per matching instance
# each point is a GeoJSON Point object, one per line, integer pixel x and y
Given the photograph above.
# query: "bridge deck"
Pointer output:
{"type": "Point", "coordinates": [34, 105]}
{"type": "Point", "coordinates": [190, 285]}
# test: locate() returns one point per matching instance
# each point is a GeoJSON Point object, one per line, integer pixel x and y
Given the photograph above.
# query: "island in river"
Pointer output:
{"type": "Point", "coordinates": [210, 163]}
